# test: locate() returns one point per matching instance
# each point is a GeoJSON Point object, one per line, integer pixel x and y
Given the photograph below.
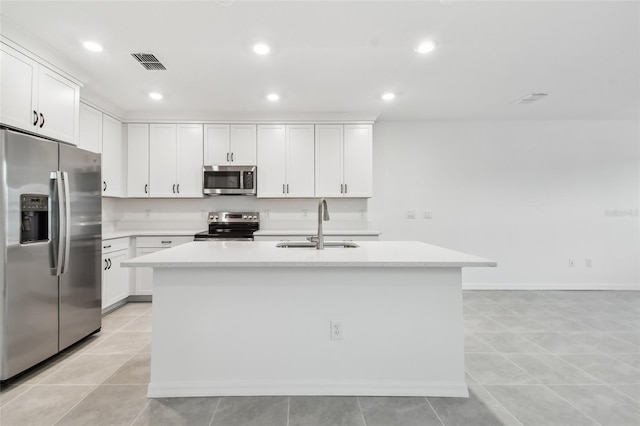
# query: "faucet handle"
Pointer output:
{"type": "Point", "coordinates": [312, 238]}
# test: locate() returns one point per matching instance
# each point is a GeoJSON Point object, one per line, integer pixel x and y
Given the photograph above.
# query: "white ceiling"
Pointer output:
{"type": "Point", "coordinates": [332, 59]}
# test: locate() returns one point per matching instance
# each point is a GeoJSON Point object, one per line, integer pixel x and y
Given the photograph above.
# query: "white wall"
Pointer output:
{"type": "Point", "coordinates": [530, 195]}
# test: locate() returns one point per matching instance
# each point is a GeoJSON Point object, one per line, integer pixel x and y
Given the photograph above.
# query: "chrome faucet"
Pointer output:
{"type": "Point", "coordinates": [323, 214]}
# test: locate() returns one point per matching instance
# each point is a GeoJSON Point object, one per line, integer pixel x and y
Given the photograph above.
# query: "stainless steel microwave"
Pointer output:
{"type": "Point", "coordinates": [229, 180]}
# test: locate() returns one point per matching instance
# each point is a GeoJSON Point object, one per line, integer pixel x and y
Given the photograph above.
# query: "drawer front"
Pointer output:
{"type": "Point", "coordinates": [162, 241]}
{"type": "Point", "coordinates": [116, 244]}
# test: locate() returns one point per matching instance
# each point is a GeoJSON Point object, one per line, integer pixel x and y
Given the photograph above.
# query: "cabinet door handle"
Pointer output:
{"type": "Point", "coordinates": [178, 188]}
{"type": "Point", "coordinates": [166, 242]}
{"type": "Point", "coordinates": [174, 188]}
{"type": "Point", "coordinates": [342, 188]}
{"type": "Point", "coordinates": [232, 157]}
{"type": "Point", "coordinates": [146, 187]}
{"type": "Point", "coordinates": [42, 124]}
{"type": "Point", "coordinates": [105, 265]}
{"type": "Point", "coordinates": [35, 118]}
{"type": "Point", "coordinates": [108, 263]}
{"type": "Point", "coordinates": [346, 188]}
{"type": "Point", "coordinates": [227, 157]}
{"type": "Point", "coordinates": [283, 188]}
{"type": "Point", "coordinates": [287, 188]}
{"type": "Point", "coordinates": [106, 247]}
{"type": "Point", "coordinates": [104, 188]}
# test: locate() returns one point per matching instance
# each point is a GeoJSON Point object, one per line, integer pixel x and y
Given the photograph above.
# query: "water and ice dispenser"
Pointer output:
{"type": "Point", "coordinates": [34, 214]}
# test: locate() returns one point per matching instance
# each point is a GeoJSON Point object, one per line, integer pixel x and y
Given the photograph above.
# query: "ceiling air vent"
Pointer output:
{"type": "Point", "coordinates": [148, 61]}
{"type": "Point", "coordinates": [532, 97]}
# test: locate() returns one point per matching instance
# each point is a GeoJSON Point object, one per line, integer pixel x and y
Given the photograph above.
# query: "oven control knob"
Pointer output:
{"type": "Point", "coordinates": [215, 218]}
{"type": "Point", "coordinates": [244, 216]}
{"type": "Point", "coordinates": [254, 217]}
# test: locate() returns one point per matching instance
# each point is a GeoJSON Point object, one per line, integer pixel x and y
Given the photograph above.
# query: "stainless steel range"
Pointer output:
{"type": "Point", "coordinates": [230, 226]}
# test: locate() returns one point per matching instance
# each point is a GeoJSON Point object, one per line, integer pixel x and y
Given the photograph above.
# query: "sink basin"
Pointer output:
{"type": "Point", "coordinates": [327, 244]}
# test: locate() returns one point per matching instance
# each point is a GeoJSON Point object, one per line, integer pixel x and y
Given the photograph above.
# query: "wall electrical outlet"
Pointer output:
{"type": "Point", "coordinates": [427, 215]}
{"type": "Point", "coordinates": [305, 212]}
{"type": "Point", "coordinates": [588, 262]}
{"type": "Point", "coordinates": [572, 263]}
{"type": "Point", "coordinates": [337, 331]}
{"type": "Point", "coordinates": [411, 214]}
{"type": "Point", "coordinates": [147, 212]}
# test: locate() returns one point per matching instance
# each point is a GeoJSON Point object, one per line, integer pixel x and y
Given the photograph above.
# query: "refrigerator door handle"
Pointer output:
{"type": "Point", "coordinates": [57, 239]}
{"type": "Point", "coordinates": [67, 222]}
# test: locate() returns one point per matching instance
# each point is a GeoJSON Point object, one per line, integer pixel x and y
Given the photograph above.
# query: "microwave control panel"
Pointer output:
{"type": "Point", "coordinates": [248, 180]}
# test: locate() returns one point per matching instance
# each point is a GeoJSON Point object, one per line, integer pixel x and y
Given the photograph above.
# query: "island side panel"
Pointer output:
{"type": "Point", "coordinates": [266, 331]}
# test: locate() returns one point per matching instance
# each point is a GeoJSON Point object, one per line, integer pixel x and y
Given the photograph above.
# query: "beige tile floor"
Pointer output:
{"type": "Point", "coordinates": [532, 358]}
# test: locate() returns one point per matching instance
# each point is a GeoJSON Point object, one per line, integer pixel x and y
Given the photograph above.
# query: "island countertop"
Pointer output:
{"type": "Point", "coordinates": [207, 254]}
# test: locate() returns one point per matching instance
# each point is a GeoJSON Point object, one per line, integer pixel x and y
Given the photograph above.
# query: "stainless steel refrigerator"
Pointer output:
{"type": "Point", "coordinates": [51, 231]}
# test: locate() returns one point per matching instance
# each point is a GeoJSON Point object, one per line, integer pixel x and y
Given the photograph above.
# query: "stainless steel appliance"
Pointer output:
{"type": "Point", "coordinates": [238, 226]}
{"type": "Point", "coordinates": [229, 180]}
{"type": "Point", "coordinates": [50, 237]}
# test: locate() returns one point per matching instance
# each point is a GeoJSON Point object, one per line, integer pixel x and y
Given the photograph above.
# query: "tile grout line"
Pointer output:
{"type": "Point", "coordinates": [92, 390]}
{"type": "Point", "coordinates": [569, 402]}
{"type": "Point", "coordinates": [288, 408]}
{"type": "Point", "coordinates": [141, 411]}
{"type": "Point", "coordinates": [494, 398]}
{"type": "Point", "coordinates": [215, 411]}
{"type": "Point", "coordinates": [361, 411]}
{"type": "Point", "coordinates": [75, 405]}
{"type": "Point", "coordinates": [434, 410]}
{"type": "Point", "coordinates": [513, 416]}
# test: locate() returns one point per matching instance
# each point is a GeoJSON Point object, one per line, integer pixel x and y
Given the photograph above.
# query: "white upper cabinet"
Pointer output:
{"type": "Point", "coordinates": [58, 106]}
{"type": "Point", "coordinates": [300, 160]}
{"type": "Point", "coordinates": [216, 144]}
{"type": "Point", "coordinates": [37, 99]}
{"type": "Point", "coordinates": [18, 93]}
{"type": "Point", "coordinates": [189, 177]}
{"type": "Point", "coordinates": [162, 160]}
{"type": "Point", "coordinates": [233, 144]}
{"type": "Point", "coordinates": [137, 160]}
{"type": "Point", "coordinates": [358, 160]}
{"type": "Point", "coordinates": [329, 176]}
{"type": "Point", "coordinates": [113, 158]}
{"type": "Point", "coordinates": [285, 161]}
{"type": "Point", "coordinates": [344, 160]}
{"type": "Point", "coordinates": [175, 160]}
{"type": "Point", "coordinates": [272, 161]}
{"type": "Point", "coordinates": [90, 129]}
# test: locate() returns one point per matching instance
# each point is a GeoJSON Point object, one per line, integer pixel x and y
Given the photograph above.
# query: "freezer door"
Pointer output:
{"type": "Point", "coordinates": [81, 278]}
{"type": "Point", "coordinates": [29, 289]}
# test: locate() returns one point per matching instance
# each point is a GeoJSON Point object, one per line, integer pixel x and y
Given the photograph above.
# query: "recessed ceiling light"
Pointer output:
{"type": "Point", "coordinates": [425, 47]}
{"type": "Point", "coordinates": [92, 46]}
{"type": "Point", "coordinates": [261, 48]}
{"type": "Point", "coordinates": [273, 97]}
{"type": "Point", "coordinates": [388, 96]}
{"type": "Point", "coordinates": [155, 96]}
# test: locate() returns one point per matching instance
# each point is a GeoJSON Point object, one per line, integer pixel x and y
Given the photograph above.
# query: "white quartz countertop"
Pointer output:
{"type": "Point", "coordinates": [305, 232]}
{"type": "Point", "coordinates": [207, 254]}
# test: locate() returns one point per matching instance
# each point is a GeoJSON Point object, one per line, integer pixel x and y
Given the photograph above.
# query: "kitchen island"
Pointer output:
{"type": "Point", "coordinates": [249, 318]}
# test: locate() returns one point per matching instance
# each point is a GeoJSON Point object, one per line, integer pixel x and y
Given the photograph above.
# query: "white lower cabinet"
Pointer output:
{"type": "Point", "coordinates": [148, 245]}
{"type": "Point", "coordinates": [115, 279]}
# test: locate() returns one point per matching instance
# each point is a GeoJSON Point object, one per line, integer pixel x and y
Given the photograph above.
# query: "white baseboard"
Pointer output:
{"type": "Point", "coordinates": [245, 388]}
{"type": "Point", "coordinates": [551, 286]}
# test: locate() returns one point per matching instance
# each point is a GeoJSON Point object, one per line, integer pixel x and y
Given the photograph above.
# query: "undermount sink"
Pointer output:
{"type": "Point", "coordinates": [305, 244]}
